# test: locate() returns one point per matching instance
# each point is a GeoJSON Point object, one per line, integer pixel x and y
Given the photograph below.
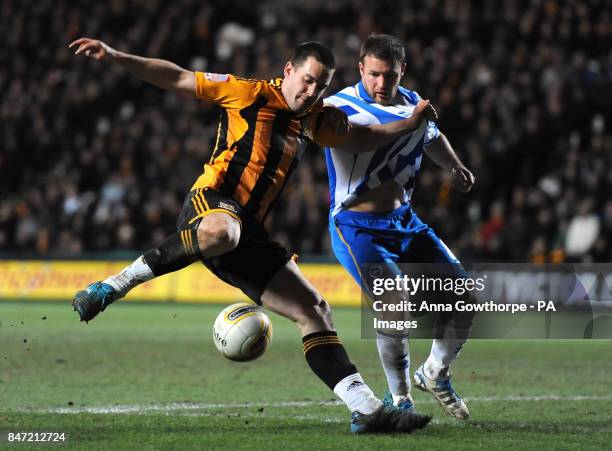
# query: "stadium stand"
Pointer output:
{"type": "Point", "coordinates": [95, 160]}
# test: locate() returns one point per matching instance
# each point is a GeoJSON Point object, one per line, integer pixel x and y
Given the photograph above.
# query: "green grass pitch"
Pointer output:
{"type": "Point", "coordinates": [147, 376]}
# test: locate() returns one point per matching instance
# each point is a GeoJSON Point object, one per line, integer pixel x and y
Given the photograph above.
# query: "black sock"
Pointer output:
{"type": "Point", "coordinates": [175, 252]}
{"type": "Point", "coordinates": [327, 358]}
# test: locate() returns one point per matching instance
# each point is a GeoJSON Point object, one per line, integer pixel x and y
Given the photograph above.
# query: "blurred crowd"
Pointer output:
{"type": "Point", "coordinates": [94, 160]}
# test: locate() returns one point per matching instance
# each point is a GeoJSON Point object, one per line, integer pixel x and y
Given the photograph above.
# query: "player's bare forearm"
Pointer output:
{"type": "Point", "coordinates": [442, 153]}
{"type": "Point", "coordinates": [161, 73]}
{"type": "Point", "coordinates": [366, 138]}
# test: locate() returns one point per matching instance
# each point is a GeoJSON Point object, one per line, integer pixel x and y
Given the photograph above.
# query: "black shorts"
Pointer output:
{"type": "Point", "coordinates": [255, 260]}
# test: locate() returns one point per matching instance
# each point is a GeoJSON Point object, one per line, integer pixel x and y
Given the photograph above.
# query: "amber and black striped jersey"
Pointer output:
{"type": "Point", "coordinates": [259, 140]}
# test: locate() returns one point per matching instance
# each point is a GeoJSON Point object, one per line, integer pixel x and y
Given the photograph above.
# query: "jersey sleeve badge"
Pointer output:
{"type": "Point", "coordinates": [216, 77]}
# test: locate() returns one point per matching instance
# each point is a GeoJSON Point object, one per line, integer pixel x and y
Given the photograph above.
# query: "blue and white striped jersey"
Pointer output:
{"type": "Point", "coordinates": [351, 175]}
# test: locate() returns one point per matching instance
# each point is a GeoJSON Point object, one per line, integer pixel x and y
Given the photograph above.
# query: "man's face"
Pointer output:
{"type": "Point", "coordinates": [303, 85]}
{"type": "Point", "coordinates": [381, 78]}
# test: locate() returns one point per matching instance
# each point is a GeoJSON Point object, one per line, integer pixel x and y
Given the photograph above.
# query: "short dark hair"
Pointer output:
{"type": "Point", "coordinates": [315, 49]}
{"type": "Point", "coordinates": [384, 47]}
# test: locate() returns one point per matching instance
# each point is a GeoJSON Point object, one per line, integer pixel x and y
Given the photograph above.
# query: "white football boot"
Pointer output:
{"type": "Point", "coordinates": [444, 393]}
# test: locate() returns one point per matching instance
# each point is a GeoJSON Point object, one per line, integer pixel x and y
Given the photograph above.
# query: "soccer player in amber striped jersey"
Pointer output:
{"type": "Point", "coordinates": [263, 130]}
{"type": "Point", "coordinates": [259, 142]}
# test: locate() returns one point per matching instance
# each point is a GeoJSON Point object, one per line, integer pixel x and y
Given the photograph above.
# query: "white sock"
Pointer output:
{"type": "Point", "coordinates": [130, 276]}
{"type": "Point", "coordinates": [443, 353]}
{"type": "Point", "coordinates": [357, 395]}
{"type": "Point", "coordinates": [395, 358]}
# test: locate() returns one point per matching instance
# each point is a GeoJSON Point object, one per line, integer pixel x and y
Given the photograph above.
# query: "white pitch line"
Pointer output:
{"type": "Point", "coordinates": [324, 419]}
{"type": "Point", "coordinates": [174, 407]}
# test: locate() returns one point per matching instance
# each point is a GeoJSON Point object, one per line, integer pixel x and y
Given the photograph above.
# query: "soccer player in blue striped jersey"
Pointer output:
{"type": "Point", "coordinates": [371, 220]}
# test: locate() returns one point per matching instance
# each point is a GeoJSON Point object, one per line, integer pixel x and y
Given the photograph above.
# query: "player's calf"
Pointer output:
{"type": "Point", "coordinates": [174, 253]}
{"type": "Point", "coordinates": [315, 316]}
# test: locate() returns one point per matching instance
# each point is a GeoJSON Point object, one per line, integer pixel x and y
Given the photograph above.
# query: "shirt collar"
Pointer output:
{"type": "Point", "coordinates": [363, 93]}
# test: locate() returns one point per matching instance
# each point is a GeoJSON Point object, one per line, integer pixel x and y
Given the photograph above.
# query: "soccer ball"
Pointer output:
{"type": "Point", "coordinates": [242, 332]}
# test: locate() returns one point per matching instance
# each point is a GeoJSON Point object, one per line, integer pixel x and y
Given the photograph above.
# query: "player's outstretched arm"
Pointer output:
{"type": "Point", "coordinates": [442, 153]}
{"type": "Point", "coordinates": [366, 138]}
{"type": "Point", "coordinates": [162, 73]}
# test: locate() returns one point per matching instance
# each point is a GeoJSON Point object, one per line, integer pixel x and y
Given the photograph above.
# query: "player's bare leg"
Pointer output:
{"type": "Point", "coordinates": [289, 294]}
{"type": "Point", "coordinates": [216, 234]}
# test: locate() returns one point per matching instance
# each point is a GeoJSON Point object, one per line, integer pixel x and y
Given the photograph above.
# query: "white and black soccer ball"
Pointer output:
{"type": "Point", "coordinates": [242, 332]}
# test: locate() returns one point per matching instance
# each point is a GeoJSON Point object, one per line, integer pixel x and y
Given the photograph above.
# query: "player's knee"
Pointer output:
{"type": "Point", "coordinates": [218, 237]}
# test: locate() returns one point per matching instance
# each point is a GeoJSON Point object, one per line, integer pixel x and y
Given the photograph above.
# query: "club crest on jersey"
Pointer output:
{"type": "Point", "coordinates": [216, 77]}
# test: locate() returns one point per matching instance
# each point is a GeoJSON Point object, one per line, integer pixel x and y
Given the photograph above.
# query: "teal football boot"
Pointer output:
{"type": "Point", "coordinates": [93, 300]}
{"type": "Point", "coordinates": [387, 419]}
{"type": "Point", "coordinates": [405, 404]}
